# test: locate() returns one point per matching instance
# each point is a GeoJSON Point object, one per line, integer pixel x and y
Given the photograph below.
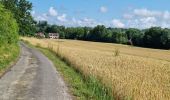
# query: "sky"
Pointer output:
{"type": "Point", "coordinates": [111, 13]}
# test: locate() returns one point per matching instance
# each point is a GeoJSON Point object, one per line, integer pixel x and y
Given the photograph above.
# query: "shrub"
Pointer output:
{"type": "Point", "coordinates": [8, 27]}
{"type": "Point", "coordinates": [116, 52]}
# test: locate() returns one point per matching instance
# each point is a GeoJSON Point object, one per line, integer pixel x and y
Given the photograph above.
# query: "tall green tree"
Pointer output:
{"type": "Point", "coordinates": [165, 38]}
{"type": "Point", "coordinates": [152, 37]}
{"type": "Point", "coordinates": [119, 37]}
{"type": "Point", "coordinates": [135, 36]}
{"type": "Point", "coordinates": [21, 10]}
{"type": "Point", "coordinates": [42, 26]}
{"type": "Point", "coordinates": [98, 33]}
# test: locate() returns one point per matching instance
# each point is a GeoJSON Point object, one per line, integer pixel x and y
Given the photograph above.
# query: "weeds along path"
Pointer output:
{"type": "Point", "coordinates": [33, 78]}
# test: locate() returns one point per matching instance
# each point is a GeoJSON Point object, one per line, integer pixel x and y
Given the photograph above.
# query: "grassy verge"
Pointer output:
{"type": "Point", "coordinates": [8, 56]}
{"type": "Point", "coordinates": [81, 87]}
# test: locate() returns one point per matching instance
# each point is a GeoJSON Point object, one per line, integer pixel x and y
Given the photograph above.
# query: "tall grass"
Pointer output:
{"type": "Point", "coordinates": [116, 52]}
{"type": "Point", "coordinates": [131, 75]}
{"type": "Point", "coordinates": [8, 54]}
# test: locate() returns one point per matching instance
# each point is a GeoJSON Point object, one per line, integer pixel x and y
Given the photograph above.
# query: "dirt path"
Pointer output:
{"type": "Point", "coordinates": [33, 78]}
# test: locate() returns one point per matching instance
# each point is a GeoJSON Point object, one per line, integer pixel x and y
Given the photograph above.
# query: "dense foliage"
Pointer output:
{"type": "Point", "coordinates": [8, 28]}
{"type": "Point", "coordinates": [9, 50]}
{"type": "Point", "coordinates": [154, 37]}
{"type": "Point", "coordinates": [21, 10]}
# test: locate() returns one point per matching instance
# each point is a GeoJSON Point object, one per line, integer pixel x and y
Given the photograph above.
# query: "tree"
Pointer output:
{"type": "Point", "coordinates": [21, 10]}
{"type": "Point", "coordinates": [42, 26]}
{"type": "Point", "coordinates": [152, 37]}
{"type": "Point", "coordinates": [135, 36]}
{"type": "Point", "coordinates": [8, 27]}
{"type": "Point", "coordinates": [80, 33]}
{"type": "Point", "coordinates": [119, 37]}
{"type": "Point", "coordinates": [165, 38]}
{"type": "Point", "coordinates": [98, 33]}
{"type": "Point", "coordinates": [86, 33]}
{"type": "Point", "coordinates": [56, 29]}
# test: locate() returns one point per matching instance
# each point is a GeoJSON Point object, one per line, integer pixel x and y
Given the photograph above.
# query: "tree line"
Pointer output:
{"type": "Point", "coordinates": [20, 12]}
{"type": "Point", "coordinates": [154, 37]}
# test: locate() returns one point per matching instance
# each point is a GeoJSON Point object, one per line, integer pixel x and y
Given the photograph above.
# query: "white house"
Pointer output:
{"type": "Point", "coordinates": [53, 35]}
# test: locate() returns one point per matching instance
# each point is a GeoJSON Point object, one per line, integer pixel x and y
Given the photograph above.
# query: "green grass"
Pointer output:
{"type": "Point", "coordinates": [8, 55]}
{"type": "Point", "coordinates": [81, 87]}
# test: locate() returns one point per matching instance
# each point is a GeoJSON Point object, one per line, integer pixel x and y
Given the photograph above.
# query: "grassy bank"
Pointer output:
{"type": "Point", "coordinates": [80, 86]}
{"type": "Point", "coordinates": [8, 56]}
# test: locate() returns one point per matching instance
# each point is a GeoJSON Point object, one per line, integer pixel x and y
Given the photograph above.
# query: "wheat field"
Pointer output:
{"type": "Point", "coordinates": [134, 73]}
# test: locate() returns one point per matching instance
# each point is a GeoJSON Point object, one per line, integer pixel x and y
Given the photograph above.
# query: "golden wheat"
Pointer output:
{"type": "Point", "coordinates": [136, 73]}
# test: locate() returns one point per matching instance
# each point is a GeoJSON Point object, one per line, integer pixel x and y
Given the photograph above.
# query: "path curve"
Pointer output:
{"type": "Point", "coordinates": [34, 77]}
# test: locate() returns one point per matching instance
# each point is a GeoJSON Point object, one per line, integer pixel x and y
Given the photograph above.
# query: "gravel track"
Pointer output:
{"type": "Point", "coordinates": [34, 77]}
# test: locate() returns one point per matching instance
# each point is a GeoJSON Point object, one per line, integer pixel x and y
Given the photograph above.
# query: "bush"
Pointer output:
{"type": "Point", "coordinates": [8, 27]}
{"type": "Point", "coordinates": [116, 52]}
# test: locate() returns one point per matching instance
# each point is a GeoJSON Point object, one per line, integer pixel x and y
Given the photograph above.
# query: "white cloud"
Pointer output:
{"type": "Point", "coordinates": [40, 18]}
{"type": "Point", "coordinates": [165, 24]}
{"type": "Point", "coordinates": [62, 18]}
{"type": "Point", "coordinates": [32, 13]}
{"type": "Point", "coordinates": [52, 11]}
{"type": "Point", "coordinates": [146, 13]}
{"type": "Point", "coordinates": [135, 18]}
{"type": "Point", "coordinates": [148, 20]}
{"type": "Point", "coordinates": [163, 15]}
{"type": "Point", "coordinates": [89, 22]}
{"type": "Point", "coordinates": [45, 15]}
{"type": "Point", "coordinates": [145, 18]}
{"type": "Point", "coordinates": [103, 9]}
{"type": "Point", "coordinates": [84, 22]}
{"type": "Point", "coordinates": [166, 15]}
{"type": "Point", "coordinates": [141, 22]}
{"type": "Point", "coordinates": [117, 23]}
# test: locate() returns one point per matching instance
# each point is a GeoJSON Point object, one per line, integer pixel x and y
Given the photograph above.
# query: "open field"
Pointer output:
{"type": "Point", "coordinates": [135, 73]}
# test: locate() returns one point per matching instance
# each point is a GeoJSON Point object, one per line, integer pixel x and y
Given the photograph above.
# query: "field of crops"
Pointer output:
{"type": "Point", "coordinates": [131, 72]}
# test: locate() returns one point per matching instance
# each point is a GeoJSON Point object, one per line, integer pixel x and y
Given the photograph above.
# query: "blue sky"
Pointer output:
{"type": "Point", "coordinates": [112, 13]}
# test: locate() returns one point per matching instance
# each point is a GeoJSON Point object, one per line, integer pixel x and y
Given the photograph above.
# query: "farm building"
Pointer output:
{"type": "Point", "coordinates": [40, 35]}
{"type": "Point", "coordinates": [53, 35]}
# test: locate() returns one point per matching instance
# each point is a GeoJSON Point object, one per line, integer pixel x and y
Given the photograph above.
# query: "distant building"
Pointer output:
{"type": "Point", "coordinates": [53, 35]}
{"type": "Point", "coordinates": [40, 35]}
